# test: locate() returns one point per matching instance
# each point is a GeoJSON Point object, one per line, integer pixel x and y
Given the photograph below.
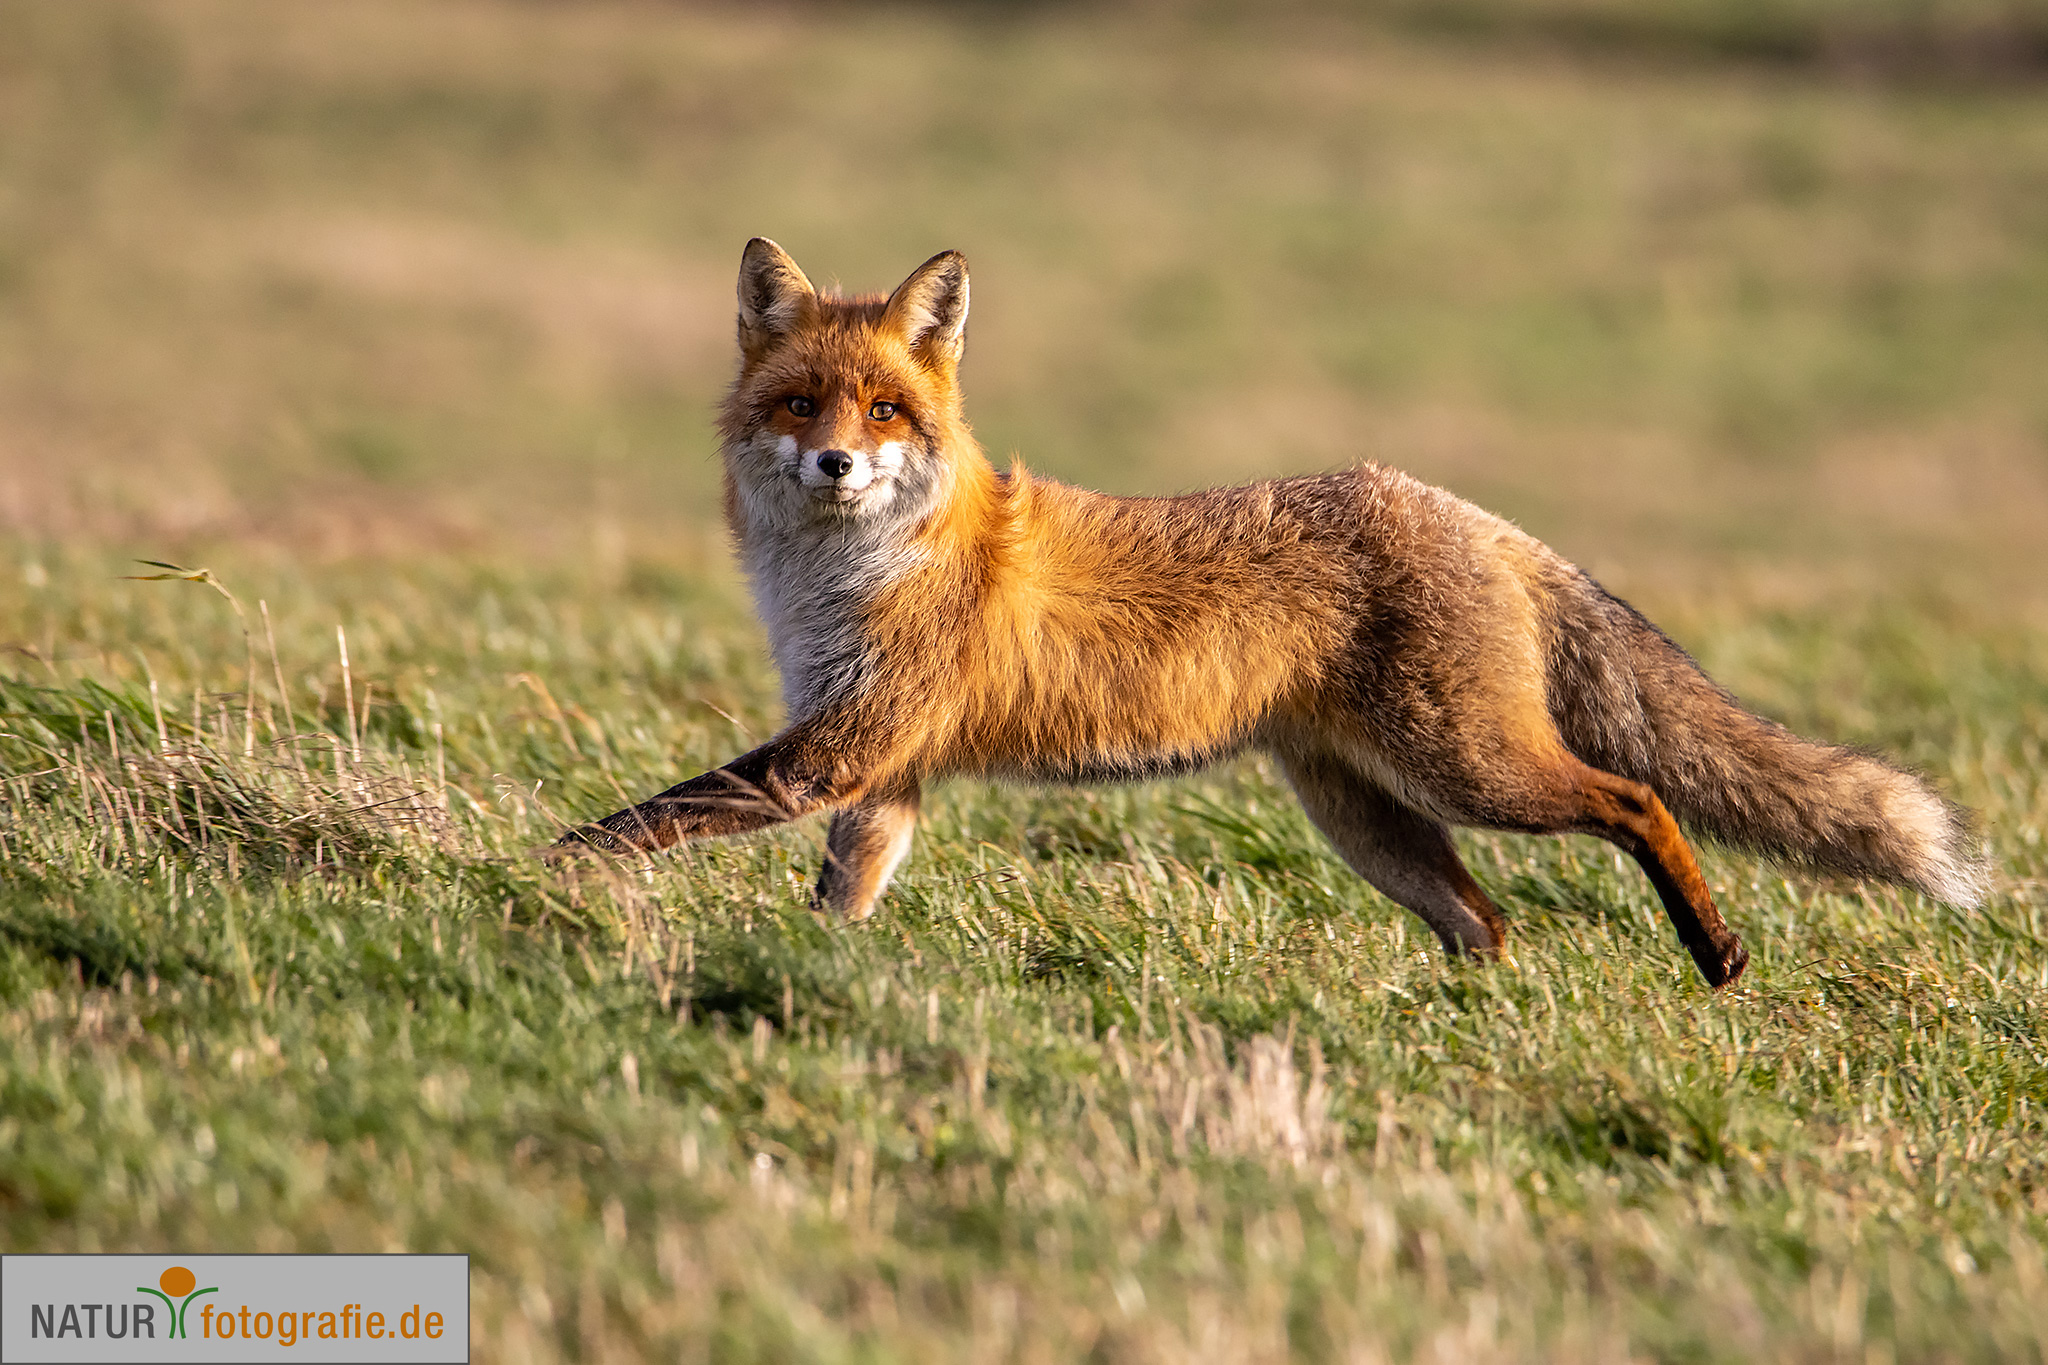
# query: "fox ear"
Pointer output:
{"type": "Point", "coordinates": [929, 310]}
{"type": "Point", "coordinates": [774, 296]}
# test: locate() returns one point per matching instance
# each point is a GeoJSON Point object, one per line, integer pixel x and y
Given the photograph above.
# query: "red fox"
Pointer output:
{"type": "Point", "coordinates": [1409, 661]}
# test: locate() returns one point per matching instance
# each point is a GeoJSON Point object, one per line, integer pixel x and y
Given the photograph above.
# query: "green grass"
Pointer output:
{"type": "Point", "coordinates": [409, 320]}
{"type": "Point", "coordinates": [1140, 1072]}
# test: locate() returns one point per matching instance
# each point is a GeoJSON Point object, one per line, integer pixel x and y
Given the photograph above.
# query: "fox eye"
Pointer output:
{"type": "Point", "coordinates": [800, 406]}
{"type": "Point", "coordinates": [882, 411]}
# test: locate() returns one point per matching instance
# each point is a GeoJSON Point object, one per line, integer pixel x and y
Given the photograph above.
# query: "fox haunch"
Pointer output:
{"type": "Point", "coordinates": [1410, 661]}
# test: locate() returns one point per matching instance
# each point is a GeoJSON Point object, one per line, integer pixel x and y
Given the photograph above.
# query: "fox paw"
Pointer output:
{"type": "Point", "coordinates": [589, 841]}
{"type": "Point", "coordinates": [1721, 966]}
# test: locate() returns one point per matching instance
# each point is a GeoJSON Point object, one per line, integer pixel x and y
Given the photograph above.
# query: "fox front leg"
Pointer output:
{"type": "Point", "coordinates": [798, 772]}
{"type": "Point", "coordinates": [869, 840]}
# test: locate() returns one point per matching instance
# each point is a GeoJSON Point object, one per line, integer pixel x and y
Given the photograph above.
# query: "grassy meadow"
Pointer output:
{"type": "Point", "coordinates": [406, 321]}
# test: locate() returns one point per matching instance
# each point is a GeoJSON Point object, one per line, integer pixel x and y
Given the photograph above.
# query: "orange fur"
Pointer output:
{"type": "Point", "coordinates": [1411, 661]}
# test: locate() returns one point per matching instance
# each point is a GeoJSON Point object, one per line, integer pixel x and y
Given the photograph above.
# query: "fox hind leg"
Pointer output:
{"type": "Point", "coordinates": [1630, 816]}
{"type": "Point", "coordinates": [1407, 856]}
{"type": "Point", "coordinates": [868, 841]}
{"type": "Point", "coordinates": [1539, 792]}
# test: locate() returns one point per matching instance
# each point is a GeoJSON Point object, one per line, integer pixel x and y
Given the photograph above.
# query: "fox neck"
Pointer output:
{"type": "Point", "coordinates": [816, 581]}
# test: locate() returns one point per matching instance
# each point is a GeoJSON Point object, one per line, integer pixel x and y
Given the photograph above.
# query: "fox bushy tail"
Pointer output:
{"type": "Point", "coordinates": [1629, 700]}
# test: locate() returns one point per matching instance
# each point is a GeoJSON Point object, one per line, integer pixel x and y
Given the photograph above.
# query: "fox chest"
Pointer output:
{"type": "Point", "coordinates": [817, 646]}
{"type": "Point", "coordinates": [812, 603]}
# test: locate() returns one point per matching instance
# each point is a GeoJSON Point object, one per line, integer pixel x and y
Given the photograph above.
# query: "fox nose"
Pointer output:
{"type": "Point", "coordinates": [835, 464]}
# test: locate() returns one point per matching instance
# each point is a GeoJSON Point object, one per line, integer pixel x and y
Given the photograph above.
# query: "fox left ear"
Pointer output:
{"type": "Point", "coordinates": [774, 297]}
{"type": "Point", "coordinates": [929, 310]}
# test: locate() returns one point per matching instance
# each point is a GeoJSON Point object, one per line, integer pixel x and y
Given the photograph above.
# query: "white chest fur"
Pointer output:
{"type": "Point", "coordinates": [813, 584]}
{"type": "Point", "coordinates": [817, 565]}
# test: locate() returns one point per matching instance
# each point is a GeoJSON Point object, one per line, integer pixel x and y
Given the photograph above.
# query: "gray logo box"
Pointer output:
{"type": "Point", "coordinates": [233, 1308]}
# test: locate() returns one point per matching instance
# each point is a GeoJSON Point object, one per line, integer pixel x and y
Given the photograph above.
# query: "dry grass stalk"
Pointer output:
{"type": "Point", "coordinates": [203, 802]}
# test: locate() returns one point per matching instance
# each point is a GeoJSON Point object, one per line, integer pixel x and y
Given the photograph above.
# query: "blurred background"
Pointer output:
{"type": "Point", "coordinates": [1704, 292]}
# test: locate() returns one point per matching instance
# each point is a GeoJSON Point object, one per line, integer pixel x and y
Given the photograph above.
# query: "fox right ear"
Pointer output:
{"type": "Point", "coordinates": [774, 296]}
{"type": "Point", "coordinates": [929, 310]}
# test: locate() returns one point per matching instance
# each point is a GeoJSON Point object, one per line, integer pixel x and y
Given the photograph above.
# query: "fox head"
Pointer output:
{"type": "Point", "coordinates": [844, 409]}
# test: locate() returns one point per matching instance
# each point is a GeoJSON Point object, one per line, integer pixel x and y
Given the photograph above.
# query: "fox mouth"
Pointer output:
{"type": "Point", "coordinates": [840, 494]}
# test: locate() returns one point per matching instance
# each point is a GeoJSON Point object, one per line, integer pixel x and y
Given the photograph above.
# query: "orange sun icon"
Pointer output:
{"type": "Point", "coordinates": [178, 1287]}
